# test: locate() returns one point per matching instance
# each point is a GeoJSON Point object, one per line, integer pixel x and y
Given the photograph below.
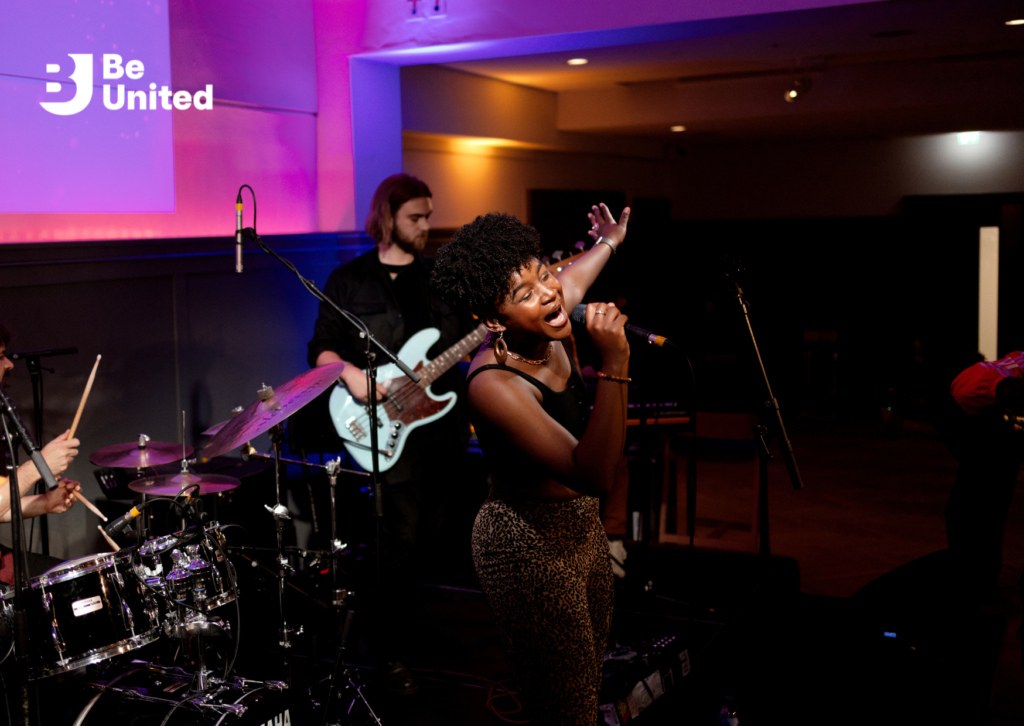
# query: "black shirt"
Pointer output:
{"type": "Point", "coordinates": [410, 296]}
{"type": "Point", "coordinates": [393, 310]}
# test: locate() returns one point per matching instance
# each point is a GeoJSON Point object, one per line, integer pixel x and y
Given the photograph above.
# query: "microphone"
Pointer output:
{"type": "Point", "coordinates": [121, 523]}
{"type": "Point", "coordinates": [579, 315]}
{"type": "Point", "coordinates": [238, 232]}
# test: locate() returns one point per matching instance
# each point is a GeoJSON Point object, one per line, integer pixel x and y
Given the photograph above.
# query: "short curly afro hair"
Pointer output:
{"type": "Point", "coordinates": [474, 271]}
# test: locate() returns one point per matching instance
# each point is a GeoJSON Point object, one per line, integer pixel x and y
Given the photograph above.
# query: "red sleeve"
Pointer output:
{"type": "Point", "coordinates": [975, 388]}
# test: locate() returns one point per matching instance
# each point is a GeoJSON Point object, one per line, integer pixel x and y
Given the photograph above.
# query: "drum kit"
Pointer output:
{"type": "Point", "coordinates": [94, 608]}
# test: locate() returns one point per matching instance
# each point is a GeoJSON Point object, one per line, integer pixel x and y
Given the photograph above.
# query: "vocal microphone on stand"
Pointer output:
{"type": "Point", "coordinates": [579, 315]}
{"type": "Point", "coordinates": [238, 232]}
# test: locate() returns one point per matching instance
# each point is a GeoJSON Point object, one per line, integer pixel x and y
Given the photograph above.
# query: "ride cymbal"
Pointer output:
{"type": "Point", "coordinates": [138, 455]}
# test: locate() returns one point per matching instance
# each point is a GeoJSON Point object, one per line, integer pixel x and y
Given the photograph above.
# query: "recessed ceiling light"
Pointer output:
{"type": "Point", "coordinates": [677, 129]}
{"type": "Point", "coordinates": [799, 89]}
{"type": "Point", "coordinates": [577, 61]}
{"type": "Point", "coordinates": [968, 137]}
{"type": "Point", "coordinates": [1019, 21]}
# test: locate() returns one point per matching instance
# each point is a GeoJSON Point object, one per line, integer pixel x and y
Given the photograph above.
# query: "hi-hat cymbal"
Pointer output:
{"type": "Point", "coordinates": [133, 456]}
{"type": "Point", "coordinates": [262, 415]}
{"type": "Point", "coordinates": [173, 484]}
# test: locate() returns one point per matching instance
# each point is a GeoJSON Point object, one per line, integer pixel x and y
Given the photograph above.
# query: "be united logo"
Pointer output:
{"type": "Point", "coordinates": [117, 98]}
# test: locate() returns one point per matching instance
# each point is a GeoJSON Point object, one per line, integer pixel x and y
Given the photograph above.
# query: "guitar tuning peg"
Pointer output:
{"type": "Point", "coordinates": [581, 245]}
{"type": "Point", "coordinates": [546, 260]}
{"type": "Point", "coordinates": [556, 255]}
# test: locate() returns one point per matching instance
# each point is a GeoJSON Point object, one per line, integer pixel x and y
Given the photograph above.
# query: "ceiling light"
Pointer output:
{"type": "Point", "coordinates": [677, 129]}
{"type": "Point", "coordinates": [577, 61]}
{"type": "Point", "coordinates": [799, 88]}
{"type": "Point", "coordinates": [968, 137]}
{"type": "Point", "coordinates": [1015, 22]}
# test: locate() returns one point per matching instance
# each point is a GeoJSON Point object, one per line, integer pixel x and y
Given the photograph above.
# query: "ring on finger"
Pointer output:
{"type": "Point", "coordinates": [599, 312]}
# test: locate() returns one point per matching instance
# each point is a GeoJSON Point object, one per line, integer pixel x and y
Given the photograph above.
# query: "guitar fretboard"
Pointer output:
{"type": "Point", "coordinates": [437, 367]}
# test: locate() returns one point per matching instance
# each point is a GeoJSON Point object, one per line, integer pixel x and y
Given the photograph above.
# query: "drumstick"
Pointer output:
{"type": "Point", "coordinates": [90, 505]}
{"type": "Point", "coordinates": [81, 405]}
{"type": "Point", "coordinates": [110, 541]}
{"type": "Point", "coordinates": [71, 435]}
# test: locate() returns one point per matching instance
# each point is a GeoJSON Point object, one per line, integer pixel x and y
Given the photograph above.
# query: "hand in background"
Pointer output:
{"type": "Point", "coordinates": [603, 224]}
{"type": "Point", "coordinates": [355, 380]}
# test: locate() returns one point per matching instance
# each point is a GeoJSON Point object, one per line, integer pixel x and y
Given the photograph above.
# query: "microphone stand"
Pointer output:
{"type": "Point", "coordinates": [11, 419]}
{"type": "Point", "coordinates": [371, 369]}
{"type": "Point", "coordinates": [772, 403]}
{"type": "Point", "coordinates": [371, 382]}
{"type": "Point", "coordinates": [35, 372]}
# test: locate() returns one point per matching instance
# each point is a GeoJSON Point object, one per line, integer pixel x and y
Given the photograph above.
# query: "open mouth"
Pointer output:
{"type": "Point", "coordinates": [557, 318]}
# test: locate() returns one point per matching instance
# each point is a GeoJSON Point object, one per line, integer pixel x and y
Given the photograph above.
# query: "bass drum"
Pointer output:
{"type": "Point", "coordinates": [145, 697]}
{"type": "Point", "coordinates": [82, 612]}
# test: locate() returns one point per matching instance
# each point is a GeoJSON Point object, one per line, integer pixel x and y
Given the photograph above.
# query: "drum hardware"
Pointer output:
{"type": "Point", "coordinates": [152, 689]}
{"type": "Point", "coordinates": [266, 414]}
{"type": "Point", "coordinates": [350, 680]}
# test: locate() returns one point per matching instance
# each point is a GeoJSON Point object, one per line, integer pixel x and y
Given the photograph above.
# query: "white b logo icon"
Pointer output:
{"type": "Point", "coordinates": [83, 86]}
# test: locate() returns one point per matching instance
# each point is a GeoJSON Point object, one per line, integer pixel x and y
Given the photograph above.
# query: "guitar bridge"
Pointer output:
{"type": "Point", "coordinates": [357, 431]}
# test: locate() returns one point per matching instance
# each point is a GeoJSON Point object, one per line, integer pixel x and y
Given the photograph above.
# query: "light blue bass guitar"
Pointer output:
{"type": "Point", "coordinates": [407, 406]}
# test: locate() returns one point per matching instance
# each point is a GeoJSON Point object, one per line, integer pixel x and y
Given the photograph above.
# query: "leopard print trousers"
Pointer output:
{"type": "Point", "coordinates": [545, 571]}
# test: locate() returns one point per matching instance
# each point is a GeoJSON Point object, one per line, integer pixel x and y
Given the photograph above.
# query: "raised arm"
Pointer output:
{"type": "Point", "coordinates": [577, 278]}
{"type": "Point", "coordinates": [508, 403]}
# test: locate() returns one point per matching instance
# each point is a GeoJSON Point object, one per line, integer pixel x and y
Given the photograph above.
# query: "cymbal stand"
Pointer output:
{"type": "Point", "coordinates": [141, 529]}
{"type": "Point", "coordinates": [332, 468]}
{"type": "Point", "coordinates": [281, 515]}
{"type": "Point", "coordinates": [337, 546]}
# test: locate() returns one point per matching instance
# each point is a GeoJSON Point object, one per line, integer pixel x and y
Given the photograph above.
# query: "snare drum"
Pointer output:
{"type": "Point", "coordinates": [84, 611]}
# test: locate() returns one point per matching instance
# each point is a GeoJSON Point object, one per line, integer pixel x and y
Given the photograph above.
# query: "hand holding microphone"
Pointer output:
{"type": "Point", "coordinates": [579, 314]}
{"type": "Point", "coordinates": [605, 324]}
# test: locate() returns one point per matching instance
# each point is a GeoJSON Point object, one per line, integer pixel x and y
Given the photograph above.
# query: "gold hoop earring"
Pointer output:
{"type": "Point", "coordinates": [501, 348]}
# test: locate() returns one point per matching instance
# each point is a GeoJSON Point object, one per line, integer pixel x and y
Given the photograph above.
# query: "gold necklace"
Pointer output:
{"type": "Point", "coordinates": [532, 362]}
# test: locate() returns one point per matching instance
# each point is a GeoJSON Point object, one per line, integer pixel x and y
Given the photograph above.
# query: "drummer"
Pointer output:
{"type": "Point", "coordinates": [58, 455]}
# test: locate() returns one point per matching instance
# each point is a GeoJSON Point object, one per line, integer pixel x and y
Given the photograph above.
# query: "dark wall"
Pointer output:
{"type": "Point", "coordinates": [178, 329]}
{"type": "Point", "coordinates": [843, 309]}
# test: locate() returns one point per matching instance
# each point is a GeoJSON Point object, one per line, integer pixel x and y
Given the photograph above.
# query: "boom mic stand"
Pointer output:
{"type": "Point", "coordinates": [371, 365]}
{"type": "Point", "coordinates": [11, 419]}
{"type": "Point", "coordinates": [772, 403]}
{"type": "Point", "coordinates": [371, 380]}
{"type": "Point", "coordinates": [35, 372]}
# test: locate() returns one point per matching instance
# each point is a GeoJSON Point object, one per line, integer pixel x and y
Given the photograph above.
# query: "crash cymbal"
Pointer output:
{"type": "Point", "coordinates": [273, 407]}
{"type": "Point", "coordinates": [173, 484]}
{"type": "Point", "coordinates": [215, 429]}
{"type": "Point", "coordinates": [212, 431]}
{"type": "Point", "coordinates": [138, 454]}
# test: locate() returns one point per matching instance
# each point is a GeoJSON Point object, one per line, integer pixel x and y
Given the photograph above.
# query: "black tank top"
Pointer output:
{"type": "Point", "coordinates": [568, 407]}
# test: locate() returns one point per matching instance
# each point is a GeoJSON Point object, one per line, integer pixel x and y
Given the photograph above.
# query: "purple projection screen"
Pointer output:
{"type": "Point", "coordinates": [66, 143]}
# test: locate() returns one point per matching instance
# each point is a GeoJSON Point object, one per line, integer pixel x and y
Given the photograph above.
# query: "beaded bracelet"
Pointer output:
{"type": "Point", "coordinates": [618, 379]}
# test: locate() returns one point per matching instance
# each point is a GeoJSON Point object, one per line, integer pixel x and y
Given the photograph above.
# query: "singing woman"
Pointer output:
{"type": "Point", "coordinates": [538, 545]}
